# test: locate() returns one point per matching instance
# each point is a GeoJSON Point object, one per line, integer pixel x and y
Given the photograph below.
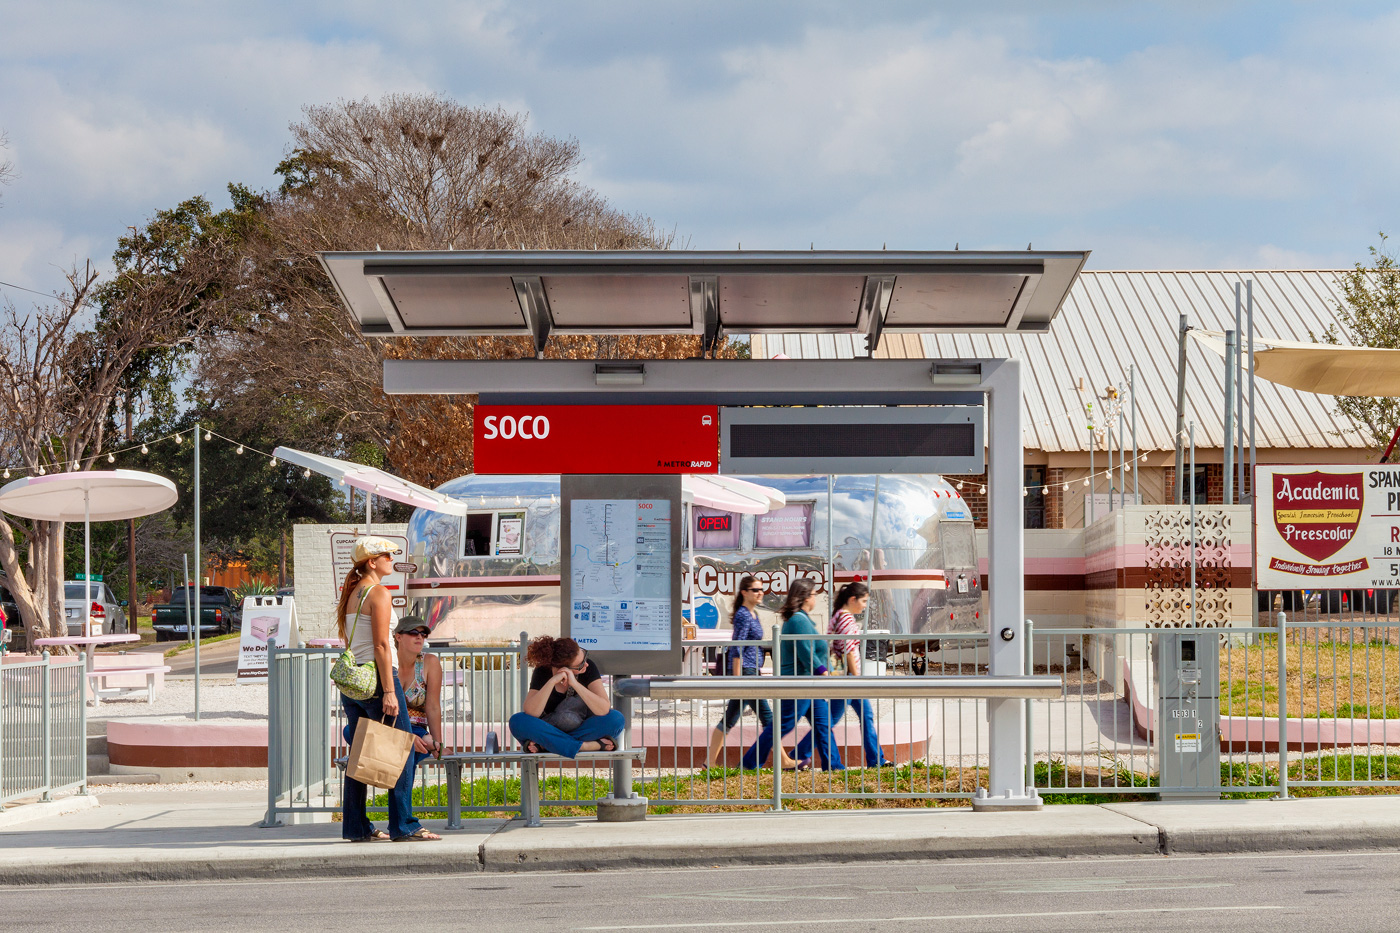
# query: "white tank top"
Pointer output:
{"type": "Point", "coordinates": [362, 635]}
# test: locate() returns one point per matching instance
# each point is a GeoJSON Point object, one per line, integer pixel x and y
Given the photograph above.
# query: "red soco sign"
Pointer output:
{"type": "Point", "coordinates": [594, 439]}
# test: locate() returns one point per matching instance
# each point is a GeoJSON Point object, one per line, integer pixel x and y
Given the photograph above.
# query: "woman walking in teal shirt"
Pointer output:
{"type": "Point", "coordinates": [799, 657]}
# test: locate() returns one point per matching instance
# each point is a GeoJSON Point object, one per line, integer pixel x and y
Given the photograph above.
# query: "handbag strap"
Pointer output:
{"type": "Point", "coordinates": [358, 610]}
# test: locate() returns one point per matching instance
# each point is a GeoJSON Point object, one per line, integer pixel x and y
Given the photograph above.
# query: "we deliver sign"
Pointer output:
{"type": "Point", "coordinates": [1327, 527]}
{"type": "Point", "coordinates": [596, 439]}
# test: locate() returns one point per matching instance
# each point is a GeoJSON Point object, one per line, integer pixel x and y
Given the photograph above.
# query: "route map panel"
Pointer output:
{"type": "Point", "coordinates": [620, 573]}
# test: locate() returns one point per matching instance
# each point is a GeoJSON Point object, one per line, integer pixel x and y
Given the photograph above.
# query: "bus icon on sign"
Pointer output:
{"type": "Point", "coordinates": [705, 420]}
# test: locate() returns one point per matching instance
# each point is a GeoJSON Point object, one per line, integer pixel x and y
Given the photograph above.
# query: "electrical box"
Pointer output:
{"type": "Point", "coordinates": [1187, 672]}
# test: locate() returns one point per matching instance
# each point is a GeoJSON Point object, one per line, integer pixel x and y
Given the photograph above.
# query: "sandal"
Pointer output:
{"type": "Point", "coordinates": [418, 835]}
{"type": "Point", "coordinates": [375, 836]}
{"type": "Point", "coordinates": [532, 748]}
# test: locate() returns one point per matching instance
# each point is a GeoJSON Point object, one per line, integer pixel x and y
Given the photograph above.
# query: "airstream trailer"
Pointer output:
{"type": "Point", "coordinates": [495, 573]}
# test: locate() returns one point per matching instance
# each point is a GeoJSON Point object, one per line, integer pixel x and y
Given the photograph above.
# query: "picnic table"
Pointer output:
{"type": "Point", "coordinates": [89, 643]}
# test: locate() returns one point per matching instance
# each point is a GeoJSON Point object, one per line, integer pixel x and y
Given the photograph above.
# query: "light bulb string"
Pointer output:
{"type": "Point", "coordinates": [143, 446]}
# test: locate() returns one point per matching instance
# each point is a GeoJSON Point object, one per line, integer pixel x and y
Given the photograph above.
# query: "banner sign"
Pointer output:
{"type": "Point", "coordinates": [595, 439]}
{"type": "Point", "coordinates": [1327, 527]}
{"type": "Point", "coordinates": [342, 559]}
{"type": "Point", "coordinates": [264, 617]}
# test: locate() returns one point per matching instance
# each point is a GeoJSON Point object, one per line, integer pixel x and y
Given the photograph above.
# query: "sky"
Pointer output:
{"type": "Point", "coordinates": [1191, 135]}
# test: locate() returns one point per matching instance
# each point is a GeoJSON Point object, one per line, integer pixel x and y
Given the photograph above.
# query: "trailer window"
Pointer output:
{"type": "Point", "coordinates": [494, 534]}
{"type": "Point", "coordinates": [786, 527]}
{"type": "Point", "coordinates": [715, 529]}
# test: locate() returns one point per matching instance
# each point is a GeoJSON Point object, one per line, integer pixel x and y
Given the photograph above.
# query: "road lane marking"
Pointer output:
{"type": "Point", "coordinates": [932, 917]}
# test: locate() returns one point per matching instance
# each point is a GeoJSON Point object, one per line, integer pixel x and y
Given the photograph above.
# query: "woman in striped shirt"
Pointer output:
{"type": "Point", "coordinates": [850, 600]}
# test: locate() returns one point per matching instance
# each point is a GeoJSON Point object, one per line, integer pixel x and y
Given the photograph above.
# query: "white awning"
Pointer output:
{"type": "Point", "coordinates": [1319, 367]}
{"type": "Point", "coordinates": [373, 480]}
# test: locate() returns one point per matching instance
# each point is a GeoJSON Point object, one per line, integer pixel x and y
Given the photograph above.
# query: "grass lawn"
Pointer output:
{"type": "Point", "coordinates": [1343, 677]}
{"type": "Point", "coordinates": [1058, 783]}
{"type": "Point", "coordinates": [189, 645]}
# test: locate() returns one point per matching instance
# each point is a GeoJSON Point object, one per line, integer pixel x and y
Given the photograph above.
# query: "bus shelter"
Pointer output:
{"type": "Point", "coordinates": [778, 416]}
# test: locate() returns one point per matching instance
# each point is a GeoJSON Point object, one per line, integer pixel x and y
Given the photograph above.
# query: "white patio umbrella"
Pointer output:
{"type": "Point", "coordinates": [732, 495]}
{"type": "Point", "coordinates": [90, 495]}
{"type": "Point", "coordinates": [373, 480]}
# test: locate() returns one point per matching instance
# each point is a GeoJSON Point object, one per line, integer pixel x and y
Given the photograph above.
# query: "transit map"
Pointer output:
{"type": "Point", "coordinates": [620, 574]}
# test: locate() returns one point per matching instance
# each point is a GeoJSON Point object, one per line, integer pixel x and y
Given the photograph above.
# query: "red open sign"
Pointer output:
{"type": "Point", "coordinates": [712, 522]}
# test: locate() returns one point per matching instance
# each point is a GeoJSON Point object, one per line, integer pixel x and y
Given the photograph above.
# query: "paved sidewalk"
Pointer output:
{"type": "Point", "coordinates": [151, 835]}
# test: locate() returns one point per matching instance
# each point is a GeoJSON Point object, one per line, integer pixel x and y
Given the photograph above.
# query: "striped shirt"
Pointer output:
{"type": "Point", "coordinates": [843, 623]}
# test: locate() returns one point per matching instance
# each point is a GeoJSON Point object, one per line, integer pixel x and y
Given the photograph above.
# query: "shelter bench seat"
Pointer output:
{"type": "Point", "coordinates": [530, 768]}
{"type": "Point", "coordinates": [99, 676]}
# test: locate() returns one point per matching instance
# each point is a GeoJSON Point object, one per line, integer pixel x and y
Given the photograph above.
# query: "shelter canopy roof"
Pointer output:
{"type": "Point", "coordinates": [536, 293]}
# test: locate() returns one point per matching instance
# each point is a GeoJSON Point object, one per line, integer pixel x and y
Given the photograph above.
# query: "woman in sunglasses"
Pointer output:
{"type": "Point", "coordinates": [566, 710]}
{"type": "Point", "coordinates": [423, 691]}
{"type": "Point", "coordinates": [745, 662]}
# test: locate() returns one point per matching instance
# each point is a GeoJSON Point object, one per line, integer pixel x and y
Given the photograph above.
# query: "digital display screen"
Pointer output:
{"type": "Point", "coordinates": [856, 439]}
{"type": "Point", "coordinates": [1188, 651]}
{"type": "Point", "coordinates": [712, 522]}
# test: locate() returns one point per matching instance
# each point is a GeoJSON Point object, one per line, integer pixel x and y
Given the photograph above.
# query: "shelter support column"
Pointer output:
{"type": "Point", "coordinates": [1006, 773]}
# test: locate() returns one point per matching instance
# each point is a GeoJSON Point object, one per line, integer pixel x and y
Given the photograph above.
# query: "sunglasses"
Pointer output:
{"type": "Point", "coordinates": [418, 632]}
{"type": "Point", "coordinates": [582, 665]}
{"type": "Point", "coordinates": [754, 589]}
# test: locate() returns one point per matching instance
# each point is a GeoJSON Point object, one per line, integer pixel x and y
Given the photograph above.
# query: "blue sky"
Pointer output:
{"type": "Point", "coordinates": [1187, 135]}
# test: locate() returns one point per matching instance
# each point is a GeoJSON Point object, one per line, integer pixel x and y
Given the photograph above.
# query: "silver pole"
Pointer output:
{"type": "Point", "coordinates": [1193, 524]}
{"type": "Point", "coordinates": [830, 546]}
{"type": "Point", "coordinates": [1112, 481]}
{"type": "Point", "coordinates": [1122, 454]}
{"type": "Point", "coordinates": [198, 567]}
{"type": "Point", "coordinates": [87, 564]}
{"type": "Point", "coordinates": [1227, 442]}
{"type": "Point", "coordinates": [1132, 403]}
{"type": "Point", "coordinates": [870, 603]}
{"type": "Point", "coordinates": [369, 512]}
{"type": "Point", "coordinates": [1093, 479]}
{"type": "Point", "coordinates": [1181, 330]}
{"type": "Point", "coordinates": [1253, 530]}
{"type": "Point", "coordinates": [1239, 401]}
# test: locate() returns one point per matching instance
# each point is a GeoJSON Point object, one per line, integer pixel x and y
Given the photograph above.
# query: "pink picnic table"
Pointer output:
{"type": "Point", "coordinates": [89, 643]}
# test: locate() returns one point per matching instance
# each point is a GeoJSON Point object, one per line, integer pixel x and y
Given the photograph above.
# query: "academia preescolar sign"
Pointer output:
{"type": "Point", "coordinates": [1327, 527]}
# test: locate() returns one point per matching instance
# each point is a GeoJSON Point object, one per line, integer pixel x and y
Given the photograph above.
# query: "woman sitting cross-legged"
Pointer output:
{"type": "Point", "coordinates": [566, 710]}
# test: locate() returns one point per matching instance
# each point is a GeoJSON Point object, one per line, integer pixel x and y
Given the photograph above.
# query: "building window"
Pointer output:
{"type": "Point", "coordinates": [1201, 489]}
{"type": "Point", "coordinates": [1033, 511]}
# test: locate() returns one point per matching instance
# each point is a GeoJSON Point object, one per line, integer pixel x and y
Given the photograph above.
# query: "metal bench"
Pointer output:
{"type": "Point", "coordinates": [530, 768]}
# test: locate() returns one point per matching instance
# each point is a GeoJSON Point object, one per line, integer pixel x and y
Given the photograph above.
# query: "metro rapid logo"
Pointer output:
{"type": "Point", "coordinates": [1317, 513]}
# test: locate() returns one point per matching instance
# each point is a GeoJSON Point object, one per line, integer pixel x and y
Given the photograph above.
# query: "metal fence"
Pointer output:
{"type": "Point", "coordinates": [43, 725]}
{"type": "Point", "coordinates": [1310, 700]}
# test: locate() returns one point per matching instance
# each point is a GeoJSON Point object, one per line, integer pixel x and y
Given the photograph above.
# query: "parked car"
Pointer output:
{"type": "Point", "coordinates": [219, 612]}
{"type": "Point", "coordinates": [285, 591]}
{"type": "Point", "coordinates": [104, 608]}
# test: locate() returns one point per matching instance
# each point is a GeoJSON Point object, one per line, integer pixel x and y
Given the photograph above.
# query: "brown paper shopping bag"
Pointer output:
{"type": "Point", "coordinates": [378, 753]}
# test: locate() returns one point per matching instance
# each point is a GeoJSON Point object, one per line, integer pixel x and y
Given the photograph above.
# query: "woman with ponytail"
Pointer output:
{"type": "Point", "coordinates": [365, 631]}
{"type": "Point", "coordinates": [802, 656]}
{"type": "Point", "coordinates": [745, 662]}
{"type": "Point", "coordinates": [566, 710]}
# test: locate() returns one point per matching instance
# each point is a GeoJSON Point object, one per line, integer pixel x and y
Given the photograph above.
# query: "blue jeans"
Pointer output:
{"type": "Point", "coordinates": [527, 728]}
{"type": "Point", "coordinates": [734, 709]}
{"type": "Point", "coordinates": [402, 822]}
{"type": "Point", "coordinates": [789, 711]}
{"type": "Point", "coordinates": [870, 735]}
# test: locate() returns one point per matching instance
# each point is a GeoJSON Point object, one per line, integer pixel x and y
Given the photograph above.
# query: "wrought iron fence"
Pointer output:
{"type": "Point", "coordinates": [43, 724]}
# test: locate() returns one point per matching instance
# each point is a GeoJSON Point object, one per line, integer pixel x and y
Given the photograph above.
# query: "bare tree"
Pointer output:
{"type": "Point", "coordinates": [403, 172]}
{"type": "Point", "coordinates": [64, 364]}
{"type": "Point", "coordinates": [7, 167]}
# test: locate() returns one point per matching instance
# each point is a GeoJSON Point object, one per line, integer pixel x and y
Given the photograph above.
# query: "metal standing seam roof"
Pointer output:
{"type": "Point", "coordinates": [1113, 319]}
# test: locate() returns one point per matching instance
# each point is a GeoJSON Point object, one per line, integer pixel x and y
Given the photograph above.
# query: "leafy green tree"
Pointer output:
{"type": "Point", "coordinates": [1369, 316]}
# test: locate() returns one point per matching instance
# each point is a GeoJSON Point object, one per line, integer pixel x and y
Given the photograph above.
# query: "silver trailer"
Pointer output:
{"type": "Point", "coordinates": [495, 573]}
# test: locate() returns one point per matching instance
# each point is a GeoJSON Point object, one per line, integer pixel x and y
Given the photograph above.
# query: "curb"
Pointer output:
{"type": "Point", "coordinates": [45, 809]}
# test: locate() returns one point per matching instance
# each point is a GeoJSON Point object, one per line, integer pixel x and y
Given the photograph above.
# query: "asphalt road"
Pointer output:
{"type": "Point", "coordinates": [218, 658]}
{"type": "Point", "coordinates": [1313, 893]}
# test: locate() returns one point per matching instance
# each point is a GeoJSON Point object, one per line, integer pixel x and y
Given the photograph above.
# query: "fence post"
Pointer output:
{"type": "Point", "coordinates": [274, 748]}
{"type": "Point", "coordinates": [45, 718]}
{"type": "Point", "coordinates": [1282, 706]}
{"type": "Point", "coordinates": [82, 730]}
{"type": "Point", "coordinates": [1030, 669]}
{"type": "Point", "coordinates": [778, 713]}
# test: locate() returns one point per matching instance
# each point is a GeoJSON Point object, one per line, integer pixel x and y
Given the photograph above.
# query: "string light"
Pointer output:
{"type": "Point", "coordinates": [274, 462]}
{"type": "Point", "coordinates": [208, 436]}
{"type": "Point", "coordinates": [42, 471]}
{"type": "Point", "coordinates": [1065, 487]}
{"type": "Point", "coordinates": [1044, 490]}
{"type": "Point", "coordinates": [7, 472]}
{"type": "Point", "coordinates": [145, 449]}
{"type": "Point", "coordinates": [239, 450]}
{"type": "Point", "coordinates": [1026, 491]}
{"type": "Point", "coordinates": [178, 440]}
{"type": "Point", "coordinates": [982, 491]}
{"type": "Point", "coordinates": [1086, 481]}
{"type": "Point", "coordinates": [960, 485]}
{"type": "Point", "coordinates": [306, 473]}
{"type": "Point", "coordinates": [111, 458]}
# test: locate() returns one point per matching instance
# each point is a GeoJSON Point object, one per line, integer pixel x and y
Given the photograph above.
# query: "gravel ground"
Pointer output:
{"type": "Point", "coordinates": [221, 699]}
